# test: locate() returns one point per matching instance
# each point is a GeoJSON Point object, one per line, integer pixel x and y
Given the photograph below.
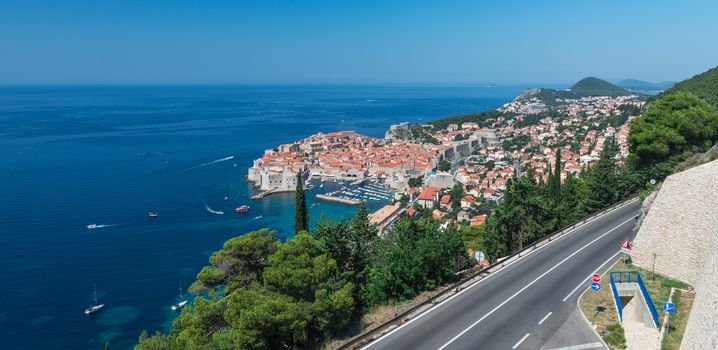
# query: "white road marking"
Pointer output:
{"type": "Point", "coordinates": [545, 317]}
{"type": "Point", "coordinates": [582, 284]}
{"type": "Point", "coordinates": [487, 277]}
{"type": "Point", "coordinates": [595, 345]}
{"type": "Point", "coordinates": [531, 283]}
{"type": "Point", "coordinates": [520, 341]}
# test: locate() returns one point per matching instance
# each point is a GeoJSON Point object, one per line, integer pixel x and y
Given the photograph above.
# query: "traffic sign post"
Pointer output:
{"type": "Point", "coordinates": [669, 307]}
{"type": "Point", "coordinates": [626, 247]}
{"type": "Point", "coordinates": [596, 286]}
{"type": "Point", "coordinates": [596, 277]}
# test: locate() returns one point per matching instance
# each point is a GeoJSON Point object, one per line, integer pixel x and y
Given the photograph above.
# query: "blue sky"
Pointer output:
{"type": "Point", "coordinates": [347, 41]}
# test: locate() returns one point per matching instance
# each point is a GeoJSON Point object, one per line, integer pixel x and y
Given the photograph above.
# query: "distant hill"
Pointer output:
{"type": "Point", "coordinates": [592, 86]}
{"type": "Point", "coordinates": [644, 86]}
{"type": "Point", "coordinates": [704, 85]}
{"type": "Point", "coordinates": [589, 86]}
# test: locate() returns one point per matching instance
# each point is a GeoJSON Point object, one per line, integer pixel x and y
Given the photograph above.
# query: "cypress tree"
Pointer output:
{"type": "Point", "coordinates": [554, 182]}
{"type": "Point", "coordinates": [301, 217]}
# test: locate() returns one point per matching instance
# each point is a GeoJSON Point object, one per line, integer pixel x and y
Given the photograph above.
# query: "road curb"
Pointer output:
{"type": "Point", "coordinates": [578, 305]}
{"type": "Point", "coordinates": [391, 325]}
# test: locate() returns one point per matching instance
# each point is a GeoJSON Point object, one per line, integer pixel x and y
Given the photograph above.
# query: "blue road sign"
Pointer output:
{"type": "Point", "coordinates": [596, 286]}
{"type": "Point", "coordinates": [669, 307]}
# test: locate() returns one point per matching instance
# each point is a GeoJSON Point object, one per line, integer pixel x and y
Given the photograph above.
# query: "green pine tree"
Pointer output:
{"type": "Point", "coordinates": [362, 240]}
{"type": "Point", "coordinates": [301, 216]}
{"type": "Point", "coordinates": [603, 179]}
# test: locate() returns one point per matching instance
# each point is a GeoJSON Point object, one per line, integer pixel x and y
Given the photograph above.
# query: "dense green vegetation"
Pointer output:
{"type": "Point", "coordinates": [592, 86]}
{"type": "Point", "coordinates": [264, 295]}
{"type": "Point", "coordinates": [415, 256]}
{"type": "Point", "coordinates": [614, 336]}
{"type": "Point", "coordinates": [589, 86]}
{"type": "Point", "coordinates": [259, 293]}
{"type": "Point", "coordinates": [532, 210]}
{"type": "Point", "coordinates": [415, 181]}
{"type": "Point", "coordinates": [444, 165]}
{"type": "Point", "coordinates": [674, 127]}
{"type": "Point", "coordinates": [704, 85]}
{"type": "Point", "coordinates": [419, 133]}
{"type": "Point", "coordinates": [473, 117]}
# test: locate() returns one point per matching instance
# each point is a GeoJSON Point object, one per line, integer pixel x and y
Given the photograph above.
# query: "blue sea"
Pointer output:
{"type": "Point", "coordinates": [106, 155]}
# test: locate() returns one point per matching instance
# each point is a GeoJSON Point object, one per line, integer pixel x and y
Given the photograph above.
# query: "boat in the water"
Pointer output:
{"type": "Point", "coordinates": [152, 214]}
{"type": "Point", "coordinates": [179, 305]}
{"type": "Point", "coordinates": [91, 226]}
{"type": "Point", "coordinates": [182, 303]}
{"type": "Point", "coordinates": [258, 217]}
{"type": "Point", "coordinates": [94, 307]}
{"type": "Point", "coordinates": [242, 209]}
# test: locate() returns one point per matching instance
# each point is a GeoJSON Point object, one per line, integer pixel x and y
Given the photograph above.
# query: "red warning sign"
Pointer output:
{"type": "Point", "coordinates": [626, 246]}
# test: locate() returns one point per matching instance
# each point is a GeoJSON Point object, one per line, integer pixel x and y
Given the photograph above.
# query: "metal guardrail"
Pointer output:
{"type": "Point", "coordinates": [616, 298]}
{"type": "Point", "coordinates": [649, 301]}
{"type": "Point", "coordinates": [631, 277]}
{"type": "Point", "coordinates": [372, 334]}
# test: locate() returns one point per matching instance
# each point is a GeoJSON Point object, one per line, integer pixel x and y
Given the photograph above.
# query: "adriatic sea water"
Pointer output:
{"type": "Point", "coordinates": [106, 155]}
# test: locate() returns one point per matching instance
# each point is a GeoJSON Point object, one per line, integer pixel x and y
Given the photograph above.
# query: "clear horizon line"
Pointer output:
{"type": "Point", "coordinates": [478, 84]}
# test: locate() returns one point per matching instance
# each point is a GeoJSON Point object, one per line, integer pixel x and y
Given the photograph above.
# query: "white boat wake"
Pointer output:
{"type": "Point", "coordinates": [94, 226]}
{"type": "Point", "coordinates": [208, 163]}
{"type": "Point", "coordinates": [213, 211]}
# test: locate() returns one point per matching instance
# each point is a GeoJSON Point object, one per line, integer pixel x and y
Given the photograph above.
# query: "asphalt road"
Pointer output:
{"type": "Point", "coordinates": [526, 304]}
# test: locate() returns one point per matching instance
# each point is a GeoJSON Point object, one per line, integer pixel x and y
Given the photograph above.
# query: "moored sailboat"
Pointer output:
{"type": "Point", "coordinates": [182, 303]}
{"type": "Point", "coordinates": [94, 307]}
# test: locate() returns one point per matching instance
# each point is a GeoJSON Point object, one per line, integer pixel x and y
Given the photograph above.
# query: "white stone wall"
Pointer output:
{"type": "Point", "coordinates": [680, 234]}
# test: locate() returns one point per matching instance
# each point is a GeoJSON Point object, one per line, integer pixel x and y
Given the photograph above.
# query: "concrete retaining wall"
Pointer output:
{"type": "Point", "coordinates": [680, 235]}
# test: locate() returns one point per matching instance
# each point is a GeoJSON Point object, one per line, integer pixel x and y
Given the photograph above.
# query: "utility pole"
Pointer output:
{"type": "Point", "coordinates": [653, 268]}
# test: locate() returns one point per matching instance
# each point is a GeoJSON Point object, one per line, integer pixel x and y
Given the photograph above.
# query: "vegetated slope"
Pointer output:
{"type": "Point", "coordinates": [589, 86]}
{"type": "Point", "coordinates": [639, 85]}
{"type": "Point", "coordinates": [704, 85]}
{"type": "Point", "coordinates": [592, 86]}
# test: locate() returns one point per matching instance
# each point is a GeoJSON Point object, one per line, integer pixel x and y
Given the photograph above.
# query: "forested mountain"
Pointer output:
{"type": "Point", "coordinates": [589, 86]}
{"type": "Point", "coordinates": [592, 86]}
{"type": "Point", "coordinates": [704, 85]}
{"type": "Point", "coordinates": [644, 86]}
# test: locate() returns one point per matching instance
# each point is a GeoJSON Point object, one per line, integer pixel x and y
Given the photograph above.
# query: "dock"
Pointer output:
{"type": "Point", "coordinates": [266, 193]}
{"type": "Point", "coordinates": [338, 200]}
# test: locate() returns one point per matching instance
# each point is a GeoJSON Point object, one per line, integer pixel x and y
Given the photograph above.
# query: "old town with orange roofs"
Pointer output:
{"type": "Point", "coordinates": [427, 166]}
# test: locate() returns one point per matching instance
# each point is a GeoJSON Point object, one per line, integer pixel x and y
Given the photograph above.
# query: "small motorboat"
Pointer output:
{"type": "Point", "coordinates": [226, 198]}
{"type": "Point", "coordinates": [258, 217]}
{"type": "Point", "coordinates": [242, 209]}
{"type": "Point", "coordinates": [152, 214]}
{"type": "Point", "coordinates": [91, 226]}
